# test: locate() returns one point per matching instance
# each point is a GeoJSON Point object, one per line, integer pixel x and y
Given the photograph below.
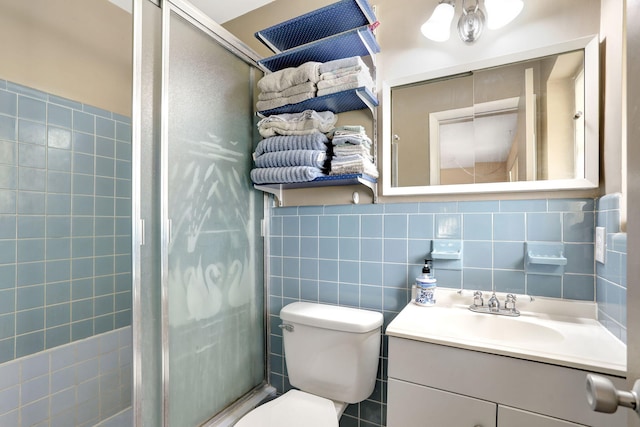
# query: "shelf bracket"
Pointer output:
{"type": "Point", "coordinates": [276, 190]}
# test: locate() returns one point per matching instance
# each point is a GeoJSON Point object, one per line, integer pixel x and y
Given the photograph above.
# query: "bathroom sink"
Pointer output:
{"type": "Point", "coordinates": [461, 322]}
{"type": "Point", "coordinates": [548, 330]}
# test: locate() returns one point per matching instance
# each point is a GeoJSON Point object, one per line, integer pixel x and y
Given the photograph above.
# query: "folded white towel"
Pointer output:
{"type": "Point", "coordinates": [342, 72]}
{"type": "Point", "coordinates": [287, 77]}
{"type": "Point", "coordinates": [306, 122]}
{"type": "Point", "coordinates": [308, 87]}
{"type": "Point", "coordinates": [345, 86]}
{"type": "Point", "coordinates": [361, 78]}
{"type": "Point", "coordinates": [279, 102]}
{"type": "Point", "coordinates": [336, 64]}
{"type": "Point", "coordinates": [355, 139]}
{"type": "Point", "coordinates": [348, 130]}
{"type": "Point", "coordinates": [348, 150]}
{"type": "Point", "coordinates": [364, 166]}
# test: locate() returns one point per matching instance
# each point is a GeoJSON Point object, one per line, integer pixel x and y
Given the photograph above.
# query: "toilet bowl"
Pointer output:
{"type": "Point", "coordinates": [293, 409]}
{"type": "Point", "coordinates": [331, 355]}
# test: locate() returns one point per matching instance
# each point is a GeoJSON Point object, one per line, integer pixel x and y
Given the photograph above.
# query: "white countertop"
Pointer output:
{"type": "Point", "coordinates": [554, 331]}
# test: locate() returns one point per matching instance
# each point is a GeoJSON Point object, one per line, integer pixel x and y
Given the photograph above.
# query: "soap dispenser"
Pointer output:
{"type": "Point", "coordinates": [425, 286]}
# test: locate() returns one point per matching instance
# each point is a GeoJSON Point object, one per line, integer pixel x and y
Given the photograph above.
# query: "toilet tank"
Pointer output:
{"type": "Point", "coordinates": [331, 351]}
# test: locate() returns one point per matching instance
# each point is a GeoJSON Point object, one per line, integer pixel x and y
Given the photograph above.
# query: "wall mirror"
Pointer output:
{"type": "Point", "coordinates": [522, 122]}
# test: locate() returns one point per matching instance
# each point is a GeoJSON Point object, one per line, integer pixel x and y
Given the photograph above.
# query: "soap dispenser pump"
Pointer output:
{"type": "Point", "coordinates": [425, 286]}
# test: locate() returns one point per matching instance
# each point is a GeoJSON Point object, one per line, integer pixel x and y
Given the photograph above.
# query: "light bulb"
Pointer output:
{"type": "Point", "coordinates": [438, 27]}
{"type": "Point", "coordinates": [501, 12]}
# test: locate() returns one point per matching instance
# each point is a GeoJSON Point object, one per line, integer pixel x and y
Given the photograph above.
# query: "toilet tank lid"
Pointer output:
{"type": "Point", "coordinates": [326, 316]}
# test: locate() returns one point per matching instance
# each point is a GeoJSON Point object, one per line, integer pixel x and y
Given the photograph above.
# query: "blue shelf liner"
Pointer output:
{"type": "Point", "coordinates": [318, 24]}
{"type": "Point", "coordinates": [351, 176]}
{"type": "Point", "coordinates": [356, 42]}
{"type": "Point", "coordinates": [325, 181]}
{"type": "Point", "coordinates": [339, 102]}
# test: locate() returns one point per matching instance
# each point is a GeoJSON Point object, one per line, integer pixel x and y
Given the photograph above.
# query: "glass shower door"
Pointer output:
{"type": "Point", "coordinates": [212, 250]}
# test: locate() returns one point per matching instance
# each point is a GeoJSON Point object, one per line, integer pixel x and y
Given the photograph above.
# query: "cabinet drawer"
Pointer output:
{"type": "Point", "coordinates": [412, 405]}
{"type": "Point", "coordinates": [511, 417]}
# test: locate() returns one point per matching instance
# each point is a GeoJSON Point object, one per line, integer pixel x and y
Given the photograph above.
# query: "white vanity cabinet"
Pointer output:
{"type": "Point", "coordinates": [433, 385]}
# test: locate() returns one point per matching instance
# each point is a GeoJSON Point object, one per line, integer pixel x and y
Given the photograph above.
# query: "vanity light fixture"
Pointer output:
{"type": "Point", "coordinates": [497, 14]}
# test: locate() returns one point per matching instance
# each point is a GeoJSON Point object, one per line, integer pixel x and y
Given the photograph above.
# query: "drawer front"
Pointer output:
{"type": "Point", "coordinates": [412, 405]}
{"type": "Point", "coordinates": [511, 417]}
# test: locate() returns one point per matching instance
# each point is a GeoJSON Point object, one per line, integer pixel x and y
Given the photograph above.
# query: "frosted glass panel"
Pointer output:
{"type": "Point", "coordinates": [215, 255]}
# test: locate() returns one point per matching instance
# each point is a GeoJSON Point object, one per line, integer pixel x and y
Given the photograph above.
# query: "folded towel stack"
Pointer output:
{"type": "Point", "coordinates": [293, 158]}
{"type": "Point", "coordinates": [304, 123]}
{"type": "Point", "coordinates": [296, 84]}
{"type": "Point", "coordinates": [344, 74]}
{"type": "Point", "coordinates": [352, 152]}
{"type": "Point", "coordinates": [288, 86]}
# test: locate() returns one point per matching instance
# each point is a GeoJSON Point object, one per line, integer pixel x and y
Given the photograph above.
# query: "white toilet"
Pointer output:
{"type": "Point", "coordinates": [332, 358]}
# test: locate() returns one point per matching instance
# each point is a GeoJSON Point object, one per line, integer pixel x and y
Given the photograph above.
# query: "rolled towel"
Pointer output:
{"type": "Point", "coordinates": [279, 102]}
{"type": "Point", "coordinates": [308, 87]}
{"type": "Point", "coordinates": [314, 141]}
{"type": "Point", "coordinates": [285, 175]}
{"type": "Point", "coordinates": [274, 159]}
{"type": "Point", "coordinates": [336, 64]}
{"type": "Point", "coordinates": [288, 77]}
{"type": "Point", "coordinates": [306, 122]}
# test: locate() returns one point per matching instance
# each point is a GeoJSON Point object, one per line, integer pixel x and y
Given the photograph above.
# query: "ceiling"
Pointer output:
{"type": "Point", "coordinates": [218, 10]}
{"type": "Point", "coordinates": [223, 11]}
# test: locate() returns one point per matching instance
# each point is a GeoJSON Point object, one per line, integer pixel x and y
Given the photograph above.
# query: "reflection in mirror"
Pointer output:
{"type": "Point", "coordinates": [522, 122]}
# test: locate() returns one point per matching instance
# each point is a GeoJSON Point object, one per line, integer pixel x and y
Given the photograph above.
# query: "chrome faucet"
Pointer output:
{"type": "Point", "coordinates": [493, 305]}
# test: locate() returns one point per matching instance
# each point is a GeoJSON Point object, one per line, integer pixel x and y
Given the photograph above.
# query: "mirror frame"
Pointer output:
{"type": "Point", "coordinates": [589, 44]}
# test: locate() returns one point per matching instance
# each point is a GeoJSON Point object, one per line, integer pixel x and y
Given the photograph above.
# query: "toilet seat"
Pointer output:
{"type": "Point", "coordinates": [293, 409]}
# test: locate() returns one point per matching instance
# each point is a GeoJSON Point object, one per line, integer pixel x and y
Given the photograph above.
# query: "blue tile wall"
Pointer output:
{"type": "Point", "coordinates": [368, 257]}
{"type": "Point", "coordinates": [611, 277]}
{"type": "Point", "coordinates": [65, 201]}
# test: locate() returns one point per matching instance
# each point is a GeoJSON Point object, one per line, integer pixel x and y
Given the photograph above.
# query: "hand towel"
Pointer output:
{"type": "Point", "coordinates": [306, 122]}
{"type": "Point", "coordinates": [361, 78]}
{"type": "Point", "coordinates": [279, 102]}
{"type": "Point", "coordinates": [355, 139]}
{"type": "Point", "coordinates": [336, 64]}
{"type": "Point", "coordinates": [287, 77]}
{"type": "Point", "coordinates": [307, 87]}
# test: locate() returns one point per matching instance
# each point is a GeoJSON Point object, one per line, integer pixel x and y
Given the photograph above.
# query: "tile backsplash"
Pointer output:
{"type": "Point", "coordinates": [611, 276]}
{"type": "Point", "coordinates": [65, 221]}
{"type": "Point", "coordinates": [368, 256]}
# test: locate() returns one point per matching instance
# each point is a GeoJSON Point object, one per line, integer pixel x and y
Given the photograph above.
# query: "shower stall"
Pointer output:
{"type": "Point", "coordinates": [198, 252]}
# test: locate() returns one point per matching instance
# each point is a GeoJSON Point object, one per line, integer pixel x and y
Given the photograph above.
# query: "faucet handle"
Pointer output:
{"type": "Point", "coordinates": [477, 299]}
{"type": "Point", "coordinates": [510, 302]}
